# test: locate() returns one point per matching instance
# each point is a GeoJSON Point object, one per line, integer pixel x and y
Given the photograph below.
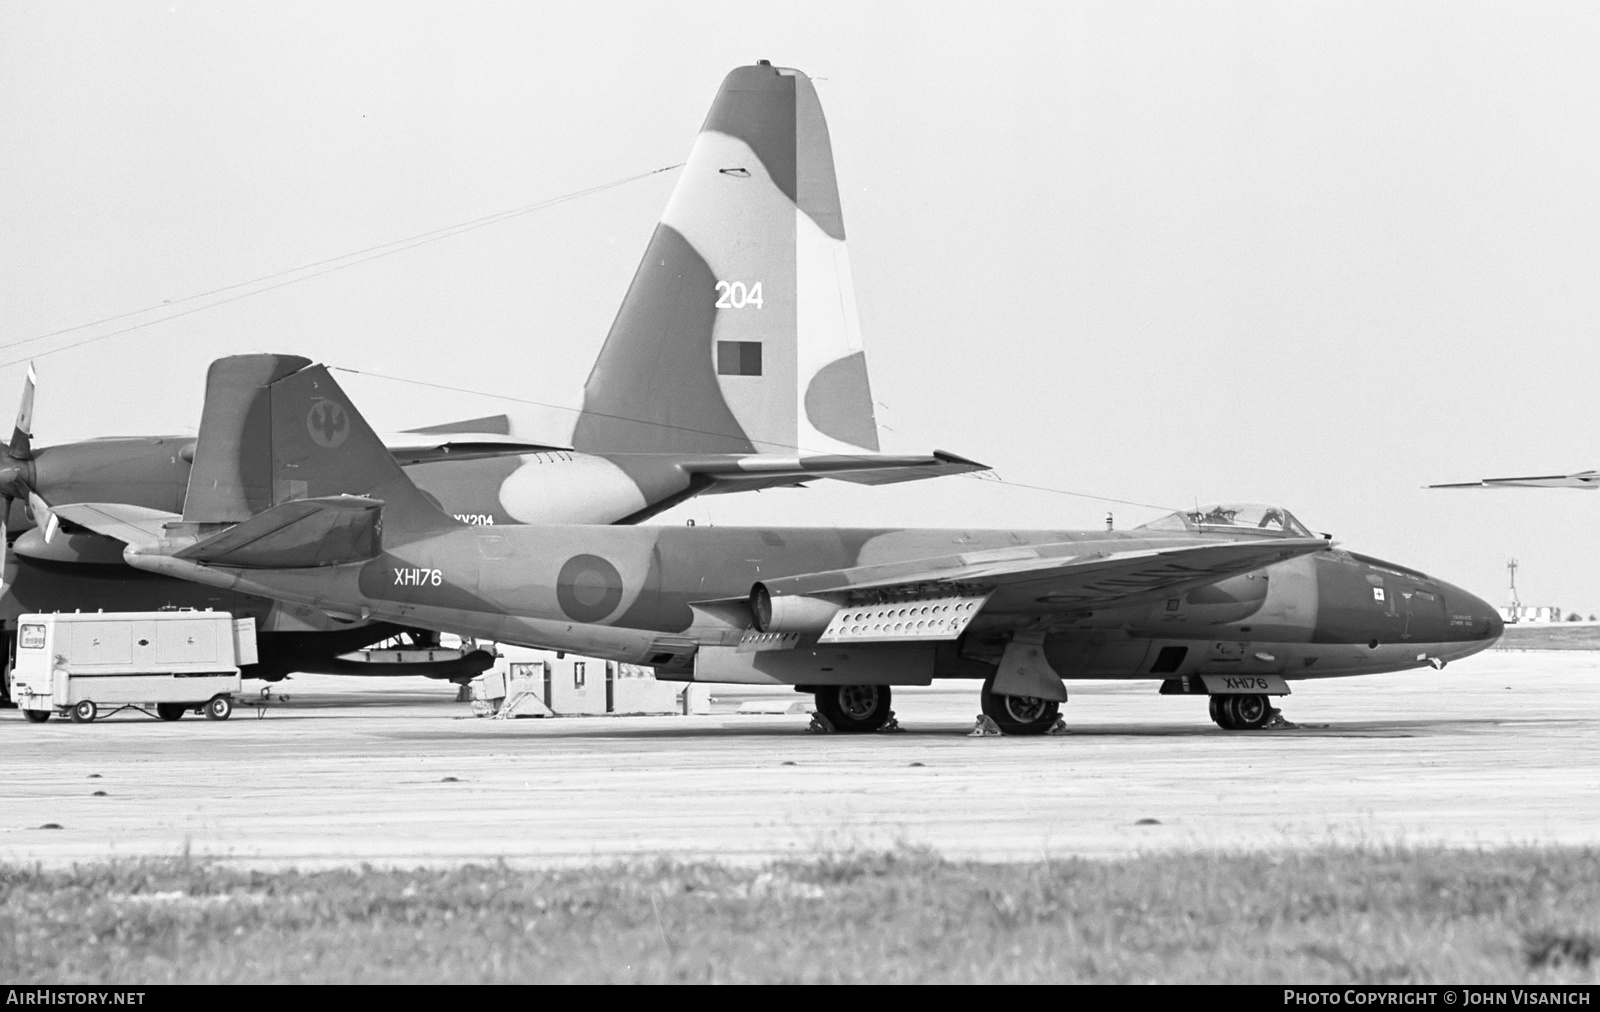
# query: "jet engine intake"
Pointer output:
{"type": "Point", "coordinates": [791, 613]}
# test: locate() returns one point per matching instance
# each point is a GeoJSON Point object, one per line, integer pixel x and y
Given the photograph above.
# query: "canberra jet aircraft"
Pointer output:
{"type": "Point", "coordinates": [763, 385]}
{"type": "Point", "coordinates": [1227, 602]}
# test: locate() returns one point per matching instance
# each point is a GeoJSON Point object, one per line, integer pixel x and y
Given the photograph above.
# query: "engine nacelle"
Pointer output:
{"type": "Point", "coordinates": [82, 547]}
{"type": "Point", "coordinates": [791, 613]}
{"type": "Point", "coordinates": [1230, 600]}
{"type": "Point", "coordinates": [1226, 601]}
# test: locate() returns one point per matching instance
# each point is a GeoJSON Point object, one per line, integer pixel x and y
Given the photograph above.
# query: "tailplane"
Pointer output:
{"type": "Point", "coordinates": [739, 333]}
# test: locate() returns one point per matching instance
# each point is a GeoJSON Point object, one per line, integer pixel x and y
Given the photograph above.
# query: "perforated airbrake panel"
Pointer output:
{"type": "Point", "coordinates": [937, 618]}
{"type": "Point", "coordinates": [755, 642]}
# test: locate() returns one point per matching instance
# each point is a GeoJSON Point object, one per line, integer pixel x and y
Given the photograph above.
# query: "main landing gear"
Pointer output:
{"type": "Point", "coordinates": [858, 708]}
{"type": "Point", "coordinates": [854, 708]}
{"type": "Point", "coordinates": [1241, 712]}
{"type": "Point", "coordinates": [1018, 714]}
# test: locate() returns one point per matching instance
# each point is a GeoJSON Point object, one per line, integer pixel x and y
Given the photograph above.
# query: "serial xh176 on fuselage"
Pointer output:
{"type": "Point", "coordinates": [1224, 602]}
{"type": "Point", "coordinates": [763, 385]}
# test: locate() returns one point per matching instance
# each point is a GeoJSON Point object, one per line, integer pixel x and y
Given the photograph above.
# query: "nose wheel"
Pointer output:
{"type": "Point", "coordinates": [1242, 712]}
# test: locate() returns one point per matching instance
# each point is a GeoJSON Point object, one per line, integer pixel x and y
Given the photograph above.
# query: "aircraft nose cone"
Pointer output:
{"type": "Point", "coordinates": [1366, 600]}
{"type": "Point", "coordinates": [1472, 619]}
{"type": "Point", "coordinates": [1492, 624]}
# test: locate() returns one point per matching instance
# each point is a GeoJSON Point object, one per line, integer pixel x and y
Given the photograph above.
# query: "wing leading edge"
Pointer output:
{"type": "Point", "coordinates": [1061, 576]}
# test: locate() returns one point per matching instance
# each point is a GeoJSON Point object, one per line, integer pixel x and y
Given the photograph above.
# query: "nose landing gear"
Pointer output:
{"type": "Point", "coordinates": [1241, 712]}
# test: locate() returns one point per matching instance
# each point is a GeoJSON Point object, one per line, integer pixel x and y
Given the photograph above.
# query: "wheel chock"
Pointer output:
{"type": "Point", "coordinates": [891, 726]}
{"type": "Point", "coordinates": [1277, 722]}
{"type": "Point", "coordinates": [820, 724]}
{"type": "Point", "coordinates": [1059, 727]}
{"type": "Point", "coordinates": [984, 728]}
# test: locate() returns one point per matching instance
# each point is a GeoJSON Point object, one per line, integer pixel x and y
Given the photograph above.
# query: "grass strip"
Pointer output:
{"type": "Point", "coordinates": [1337, 915]}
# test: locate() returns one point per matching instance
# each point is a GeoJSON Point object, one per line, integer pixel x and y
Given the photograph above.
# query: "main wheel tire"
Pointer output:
{"type": "Point", "coordinates": [36, 716]}
{"type": "Point", "coordinates": [218, 708]}
{"type": "Point", "coordinates": [170, 711]}
{"type": "Point", "coordinates": [1018, 714]}
{"type": "Point", "coordinates": [1222, 712]}
{"type": "Point", "coordinates": [84, 712]}
{"type": "Point", "coordinates": [1251, 713]}
{"type": "Point", "coordinates": [854, 708]}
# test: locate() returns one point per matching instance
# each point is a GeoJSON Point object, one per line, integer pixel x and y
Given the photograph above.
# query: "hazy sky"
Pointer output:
{"type": "Point", "coordinates": [1311, 254]}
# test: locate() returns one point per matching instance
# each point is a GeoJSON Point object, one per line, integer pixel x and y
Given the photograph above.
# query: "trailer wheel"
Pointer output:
{"type": "Point", "coordinates": [36, 716]}
{"type": "Point", "coordinates": [84, 712]}
{"type": "Point", "coordinates": [170, 711]}
{"type": "Point", "coordinates": [218, 708]}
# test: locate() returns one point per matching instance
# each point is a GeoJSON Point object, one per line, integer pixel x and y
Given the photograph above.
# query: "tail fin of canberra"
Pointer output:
{"type": "Point", "coordinates": [277, 429]}
{"type": "Point", "coordinates": [739, 333]}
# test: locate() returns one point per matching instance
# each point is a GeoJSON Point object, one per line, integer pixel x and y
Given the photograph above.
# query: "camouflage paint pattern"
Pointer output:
{"type": "Point", "coordinates": [660, 423]}
{"type": "Point", "coordinates": [661, 594]}
{"type": "Point", "coordinates": [739, 335]}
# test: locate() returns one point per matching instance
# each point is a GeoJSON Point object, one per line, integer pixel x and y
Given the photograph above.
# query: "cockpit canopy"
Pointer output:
{"type": "Point", "coordinates": [1234, 518]}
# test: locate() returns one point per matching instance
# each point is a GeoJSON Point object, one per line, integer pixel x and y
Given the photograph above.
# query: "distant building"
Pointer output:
{"type": "Point", "coordinates": [1522, 614]}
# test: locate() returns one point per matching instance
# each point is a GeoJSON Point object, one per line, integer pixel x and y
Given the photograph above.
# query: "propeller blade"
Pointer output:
{"type": "Point", "coordinates": [22, 436]}
{"type": "Point", "coordinates": [43, 516]}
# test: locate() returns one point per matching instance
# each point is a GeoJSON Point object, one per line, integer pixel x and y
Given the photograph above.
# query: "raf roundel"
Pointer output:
{"type": "Point", "coordinates": [328, 424]}
{"type": "Point", "coordinates": [588, 588]}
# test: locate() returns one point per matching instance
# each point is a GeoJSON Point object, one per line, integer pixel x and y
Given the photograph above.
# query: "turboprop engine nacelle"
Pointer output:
{"type": "Point", "coordinates": [791, 613]}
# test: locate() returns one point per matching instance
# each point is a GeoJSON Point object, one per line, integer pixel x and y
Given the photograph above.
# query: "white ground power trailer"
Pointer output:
{"type": "Point", "coordinates": [87, 665]}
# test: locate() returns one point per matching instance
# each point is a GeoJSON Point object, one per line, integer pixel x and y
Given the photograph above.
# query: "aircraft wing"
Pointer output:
{"type": "Point", "coordinates": [295, 535]}
{"type": "Point", "coordinates": [753, 471]}
{"type": "Point", "coordinates": [1069, 574]}
{"type": "Point", "coordinates": [132, 525]}
{"type": "Point", "coordinates": [1583, 479]}
{"type": "Point", "coordinates": [417, 447]}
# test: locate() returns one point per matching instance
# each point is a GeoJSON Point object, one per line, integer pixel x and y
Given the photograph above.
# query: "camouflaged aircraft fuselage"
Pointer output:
{"type": "Point", "coordinates": [635, 594]}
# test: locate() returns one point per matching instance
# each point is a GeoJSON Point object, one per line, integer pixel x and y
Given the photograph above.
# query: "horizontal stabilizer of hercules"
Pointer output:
{"type": "Point", "coordinates": [421, 447]}
{"type": "Point", "coordinates": [741, 473]}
